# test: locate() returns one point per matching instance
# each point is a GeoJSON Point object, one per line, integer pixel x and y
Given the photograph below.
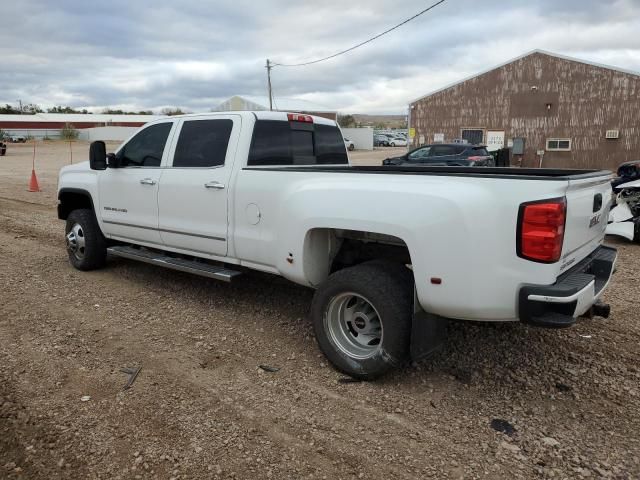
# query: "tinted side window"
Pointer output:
{"type": "Point", "coordinates": [146, 148]}
{"type": "Point", "coordinates": [421, 153]}
{"type": "Point", "coordinates": [276, 143]}
{"type": "Point", "coordinates": [271, 144]}
{"type": "Point", "coordinates": [203, 143]}
{"type": "Point", "coordinates": [459, 150]}
{"type": "Point", "coordinates": [442, 150]}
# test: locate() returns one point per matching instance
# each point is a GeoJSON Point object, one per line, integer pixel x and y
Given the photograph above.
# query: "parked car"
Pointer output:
{"type": "Point", "coordinates": [451, 154]}
{"type": "Point", "coordinates": [17, 139]}
{"type": "Point", "coordinates": [349, 144]}
{"type": "Point", "coordinates": [398, 142]}
{"type": "Point", "coordinates": [392, 252]}
{"type": "Point", "coordinates": [3, 149]}
{"type": "Point", "coordinates": [380, 140]}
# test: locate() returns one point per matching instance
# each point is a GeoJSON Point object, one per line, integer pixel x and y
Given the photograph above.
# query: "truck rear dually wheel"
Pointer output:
{"type": "Point", "coordinates": [86, 246]}
{"type": "Point", "coordinates": [362, 318]}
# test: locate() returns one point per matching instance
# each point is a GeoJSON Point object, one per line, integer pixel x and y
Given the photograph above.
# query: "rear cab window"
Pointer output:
{"type": "Point", "coordinates": [278, 142]}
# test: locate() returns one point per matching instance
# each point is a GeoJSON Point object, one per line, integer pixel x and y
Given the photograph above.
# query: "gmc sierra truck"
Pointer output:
{"type": "Point", "coordinates": [392, 252]}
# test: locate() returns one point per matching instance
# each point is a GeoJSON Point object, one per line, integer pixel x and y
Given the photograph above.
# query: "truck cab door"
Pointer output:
{"type": "Point", "coordinates": [128, 195]}
{"type": "Point", "coordinates": [193, 198]}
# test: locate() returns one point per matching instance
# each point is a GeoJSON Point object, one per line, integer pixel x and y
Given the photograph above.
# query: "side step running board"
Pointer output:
{"type": "Point", "coordinates": [181, 264]}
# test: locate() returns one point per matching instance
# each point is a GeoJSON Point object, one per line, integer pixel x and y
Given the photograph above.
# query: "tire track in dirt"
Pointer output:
{"type": "Point", "coordinates": [201, 402]}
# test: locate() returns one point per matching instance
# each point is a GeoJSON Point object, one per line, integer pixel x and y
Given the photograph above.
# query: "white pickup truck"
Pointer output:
{"type": "Point", "coordinates": [392, 252]}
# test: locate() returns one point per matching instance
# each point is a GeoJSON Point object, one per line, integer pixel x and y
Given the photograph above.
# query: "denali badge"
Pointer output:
{"type": "Point", "coordinates": [113, 209]}
{"type": "Point", "coordinates": [594, 220]}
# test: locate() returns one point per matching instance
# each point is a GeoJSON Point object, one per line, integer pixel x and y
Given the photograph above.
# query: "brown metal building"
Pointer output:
{"type": "Point", "coordinates": [566, 112]}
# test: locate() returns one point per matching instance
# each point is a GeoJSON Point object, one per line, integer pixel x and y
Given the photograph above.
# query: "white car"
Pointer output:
{"type": "Point", "coordinates": [391, 251]}
{"type": "Point", "coordinates": [398, 142]}
{"type": "Point", "coordinates": [349, 144]}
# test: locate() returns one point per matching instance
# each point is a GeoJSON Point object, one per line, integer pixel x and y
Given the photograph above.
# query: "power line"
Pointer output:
{"type": "Point", "coordinates": [361, 43]}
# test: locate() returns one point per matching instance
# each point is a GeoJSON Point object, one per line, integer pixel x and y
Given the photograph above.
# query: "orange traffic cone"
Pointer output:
{"type": "Point", "coordinates": [33, 183]}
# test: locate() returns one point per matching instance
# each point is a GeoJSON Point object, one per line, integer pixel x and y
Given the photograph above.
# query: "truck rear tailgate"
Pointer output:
{"type": "Point", "coordinates": [588, 202]}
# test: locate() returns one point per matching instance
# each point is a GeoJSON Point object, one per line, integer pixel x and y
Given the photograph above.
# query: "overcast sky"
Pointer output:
{"type": "Point", "coordinates": [195, 54]}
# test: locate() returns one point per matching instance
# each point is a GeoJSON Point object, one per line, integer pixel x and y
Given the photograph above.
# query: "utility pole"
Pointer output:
{"type": "Point", "coordinates": [20, 102]}
{"type": "Point", "coordinates": [269, 67]}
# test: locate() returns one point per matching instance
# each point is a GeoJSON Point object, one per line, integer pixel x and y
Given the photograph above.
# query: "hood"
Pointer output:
{"type": "Point", "coordinates": [76, 167]}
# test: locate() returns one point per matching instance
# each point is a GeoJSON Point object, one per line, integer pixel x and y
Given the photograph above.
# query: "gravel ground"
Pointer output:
{"type": "Point", "coordinates": [500, 401]}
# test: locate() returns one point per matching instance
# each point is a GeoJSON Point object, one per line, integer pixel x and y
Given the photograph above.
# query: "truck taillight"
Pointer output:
{"type": "Point", "coordinates": [541, 230]}
{"type": "Point", "coordinates": [297, 117]}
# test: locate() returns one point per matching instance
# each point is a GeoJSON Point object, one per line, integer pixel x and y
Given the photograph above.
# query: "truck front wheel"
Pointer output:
{"type": "Point", "coordinates": [362, 318]}
{"type": "Point", "coordinates": [86, 246]}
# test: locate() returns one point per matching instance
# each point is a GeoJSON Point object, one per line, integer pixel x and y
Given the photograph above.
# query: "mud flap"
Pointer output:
{"type": "Point", "coordinates": [428, 332]}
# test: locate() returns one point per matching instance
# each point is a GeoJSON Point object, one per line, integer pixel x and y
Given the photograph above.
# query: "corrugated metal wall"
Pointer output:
{"type": "Point", "coordinates": [542, 96]}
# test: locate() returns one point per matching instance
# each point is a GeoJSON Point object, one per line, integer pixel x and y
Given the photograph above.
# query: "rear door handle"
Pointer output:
{"type": "Point", "coordinates": [216, 185]}
{"type": "Point", "coordinates": [147, 181]}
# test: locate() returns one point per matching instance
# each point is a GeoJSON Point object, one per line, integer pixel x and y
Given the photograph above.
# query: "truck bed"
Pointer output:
{"type": "Point", "coordinates": [561, 174]}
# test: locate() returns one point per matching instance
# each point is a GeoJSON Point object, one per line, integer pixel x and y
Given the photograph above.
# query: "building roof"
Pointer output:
{"type": "Point", "coordinates": [252, 102]}
{"type": "Point", "coordinates": [533, 52]}
{"type": "Point", "coordinates": [79, 118]}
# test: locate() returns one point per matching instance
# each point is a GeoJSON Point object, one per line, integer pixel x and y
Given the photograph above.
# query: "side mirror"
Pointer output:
{"type": "Point", "coordinates": [112, 160]}
{"type": "Point", "coordinates": [98, 156]}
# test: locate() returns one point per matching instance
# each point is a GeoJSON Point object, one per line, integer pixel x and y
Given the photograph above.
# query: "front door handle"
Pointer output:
{"type": "Point", "coordinates": [216, 185]}
{"type": "Point", "coordinates": [147, 181]}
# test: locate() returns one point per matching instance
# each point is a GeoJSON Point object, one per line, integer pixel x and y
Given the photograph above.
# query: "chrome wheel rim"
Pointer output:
{"type": "Point", "coordinates": [76, 242]}
{"type": "Point", "coordinates": [354, 325]}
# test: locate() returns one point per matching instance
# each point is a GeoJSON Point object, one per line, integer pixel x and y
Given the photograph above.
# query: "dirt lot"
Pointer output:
{"type": "Point", "coordinates": [201, 407]}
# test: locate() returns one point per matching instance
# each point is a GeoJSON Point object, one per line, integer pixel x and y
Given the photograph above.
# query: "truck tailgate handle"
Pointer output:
{"type": "Point", "coordinates": [216, 185]}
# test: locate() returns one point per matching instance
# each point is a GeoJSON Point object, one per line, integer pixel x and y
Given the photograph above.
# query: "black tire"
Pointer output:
{"type": "Point", "coordinates": [93, 252]}
{"type": "Point", "coordinates": [351, 147]}
{"type": "Point", "coordinates": [387, 287]}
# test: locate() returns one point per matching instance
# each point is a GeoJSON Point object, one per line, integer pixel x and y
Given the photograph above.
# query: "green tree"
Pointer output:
{"type": "Point", "coordinates": [8, 110]}
{"type": "Point", "coordinates": [347, 121]}
{"type": "Point", "coordinates": [68, 132]}
{"type": "Point", "coordinates": [67, 109]}
{"type": "Point", "coordinates": [173, 111]}
{"type": "Point", "coordinates": [112, 111]}
{"type": "Point", "coordinates": [28, 109]}
{"type": "Point", "coordinates": [32, 108]}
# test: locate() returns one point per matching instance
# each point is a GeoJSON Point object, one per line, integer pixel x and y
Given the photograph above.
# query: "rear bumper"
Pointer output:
{"type": "Point", "coordinates": [573, 294]}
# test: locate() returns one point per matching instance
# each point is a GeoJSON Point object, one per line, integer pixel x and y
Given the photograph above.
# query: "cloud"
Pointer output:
{"type": "Point", "coordinates": [194, 54]}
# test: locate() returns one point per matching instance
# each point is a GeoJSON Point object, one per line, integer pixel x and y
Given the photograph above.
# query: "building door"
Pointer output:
{"type": "Point", "coordinates": [473, 135]}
